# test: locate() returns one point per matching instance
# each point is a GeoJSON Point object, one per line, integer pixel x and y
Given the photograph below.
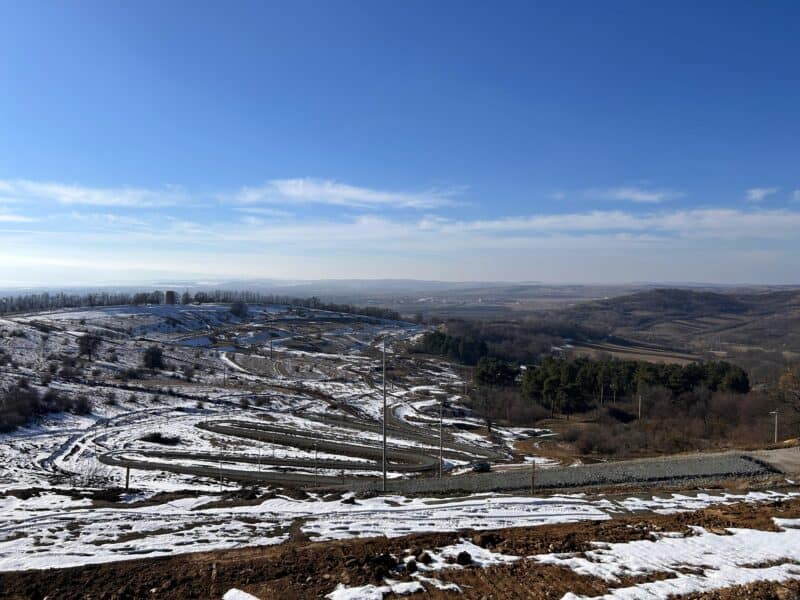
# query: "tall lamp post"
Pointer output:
{"type": "Point", "coordinates": [441, 436]}
{"type": "Point", "coordinates": [384, 414]}
{"type": "Point", "coordinates": [775, 412]}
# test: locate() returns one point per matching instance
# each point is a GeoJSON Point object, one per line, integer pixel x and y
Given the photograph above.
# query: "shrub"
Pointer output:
{"type": "Point", "coordinates": [131, 373]}
{"type": "Point", "coordinates": [153, 358]}
{"type": "Point", "coordinates": [88, 345]}
{"type": "Point", "coordinates": [159, 438]}
{"type": "Point", "coordinates": [619, 415]}
{"type": "Point", "coordinates": [188, 372]}
{"type": "Point", "coordinates": [82, 405]}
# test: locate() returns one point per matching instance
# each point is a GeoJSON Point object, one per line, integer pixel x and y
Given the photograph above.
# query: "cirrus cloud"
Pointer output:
{"type": "Point", "coordinates": [324, 191]}
{"type": "Point", "coordinates": [641, 195]}
{"type": "Point", "coordinates": [759, 194]}
{"type": "Point", "coordinates": [27, 191]}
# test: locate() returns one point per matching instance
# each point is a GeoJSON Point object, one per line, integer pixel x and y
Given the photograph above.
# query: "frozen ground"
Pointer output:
{"type": "Point", "coordinates": [307, 388]}
{"type": "Point", "coordinates": [274, 400]}
{"type": "Point", "coordinates": [55, 530]}
{"type": "Point", "coordinates": [326, 392]}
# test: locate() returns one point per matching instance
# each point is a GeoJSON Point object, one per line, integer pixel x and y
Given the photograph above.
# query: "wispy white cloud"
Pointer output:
{"type": "Point", "coordinates": [264, 211]}
{"type": "Point", "coordinates": [23, 190]}
{"type": "Point", "coordinates": [107, 219]}
{"type": "Point", "coordinates": [636, 194]}
{"type": "Point", "coordinates": [796, 196]}
{"type": "Point", "coordinates": [287, 192]}
{"type": "Point", "coordinates": [252, 221]}
{"type": "Point", "coordinates": [760, 193]}
{"type": "Point", "coordinates": [7, 216]}
{"type": "Point", "coordinates": [696, 223]}
{"type": "Point", "coordinates": [253, 224]}
{"type": "Point", "coordinates": [322, 191]}
{"type": "Point", "coordinates": [370, 232]}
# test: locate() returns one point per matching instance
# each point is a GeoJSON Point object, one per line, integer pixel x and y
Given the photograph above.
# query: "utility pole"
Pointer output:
{"type": "Point", "coordinates": [42, 347]}
{"type": "Point", "coordinates": [533, 476]}
{"type": "Point", "coordinates": [775, 412]}
{"type": "Point", "coordinates": [640, 407]}
{"type": "Point", "coordinates": [315, 466]}
{"type": "Point", "coordinates": [270, 347]}
{"type": "Point", "coordinates": [384, 414]}
{"type": "Point", "coordinates": [441, 438]}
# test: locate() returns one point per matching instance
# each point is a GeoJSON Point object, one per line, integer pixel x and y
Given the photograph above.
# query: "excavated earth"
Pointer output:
{"type": "Point", "coordinates": [300, 569]}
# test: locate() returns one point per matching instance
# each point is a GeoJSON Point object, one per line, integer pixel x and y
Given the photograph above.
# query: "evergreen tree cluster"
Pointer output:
{"type": "Point", "coordinates": [574, 385]}
{"type": "Point", "coordinates": [463, 349]}
{"type": "Point", "coordinates": [524, 341]}
{"type": "Point", "coordinates": [496, 373]}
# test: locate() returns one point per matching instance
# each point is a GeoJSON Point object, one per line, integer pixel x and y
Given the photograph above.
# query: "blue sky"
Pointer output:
{"type": "Point", "coordinates": [558, 142]}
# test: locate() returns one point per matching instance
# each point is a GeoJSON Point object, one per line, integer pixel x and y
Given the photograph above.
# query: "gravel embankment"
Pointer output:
{"type": "Point", "coordinates": [646, 471]}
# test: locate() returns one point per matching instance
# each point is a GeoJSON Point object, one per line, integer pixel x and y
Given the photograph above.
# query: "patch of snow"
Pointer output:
{"type": "Point", "coordinates": [698, 563]}
{"type": "Point", "coordinates": [234, 594]}
{"type": "Point", "coordinates": [374, 592]}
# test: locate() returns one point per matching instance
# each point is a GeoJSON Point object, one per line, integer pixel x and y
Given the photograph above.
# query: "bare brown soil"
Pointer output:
{"type": "Point", "coordinates": [301, 569]}
{"type": "Point", "coordinates": [762, 590]}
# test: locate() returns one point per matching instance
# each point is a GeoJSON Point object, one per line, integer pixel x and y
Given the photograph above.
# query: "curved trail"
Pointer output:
{"type": "Point", "coordinates": [352, 437]}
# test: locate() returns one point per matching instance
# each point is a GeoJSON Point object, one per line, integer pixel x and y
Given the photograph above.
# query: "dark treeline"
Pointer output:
{"type": "Point", "coordinates": [464, 349]}
{"type": "Point", "coordinates": [47, 301]}
{"type": "Point", "coordinates": [576, 385]}
{"type": "Point", "coordinates": [524, 341]}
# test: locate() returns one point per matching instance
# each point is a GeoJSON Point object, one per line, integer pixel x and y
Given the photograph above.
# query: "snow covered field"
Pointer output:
{"type": "Point", "coordinates": [55, 530]}
{"type": "Point", "coordinates": [300, 382]}
{"type": "Point", "coordinates": [280, 395]}
{"type": "Point", "coordinates": [701, 562]}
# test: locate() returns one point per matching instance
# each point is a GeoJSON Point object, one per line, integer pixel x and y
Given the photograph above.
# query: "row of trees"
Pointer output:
{"type": "Point", "coordinates": [574, 385]}
{"type": "Point", "coordinates": [47, 301]}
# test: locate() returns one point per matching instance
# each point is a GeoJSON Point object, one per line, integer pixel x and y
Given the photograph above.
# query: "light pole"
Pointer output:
{"type": "Point", "coordinates": [775, 412]}
{"type": "Point", "coordinates": [384, 414]}
{"type": "Point", "coordinates": [441, 438]}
